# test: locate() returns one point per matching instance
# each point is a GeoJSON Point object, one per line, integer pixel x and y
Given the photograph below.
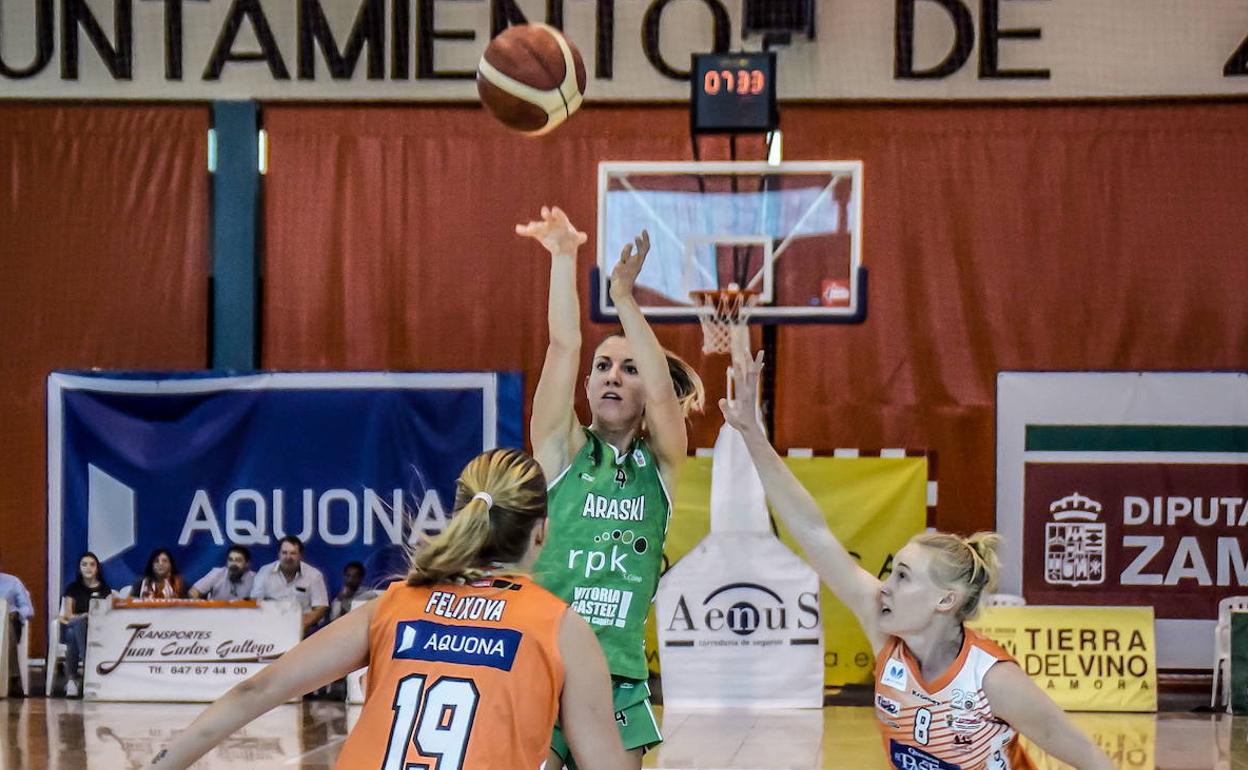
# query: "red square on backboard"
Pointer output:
{"type": "Point", "coordinates": [834, 292]}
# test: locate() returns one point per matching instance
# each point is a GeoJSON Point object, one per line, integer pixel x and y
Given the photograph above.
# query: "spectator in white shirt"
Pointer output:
{"type": "Point", "coordinates": [20, 611]}
{"type": "Point", "coordinates": [290, 578]}
{"type": "Point", "coordinates": [230, 583]}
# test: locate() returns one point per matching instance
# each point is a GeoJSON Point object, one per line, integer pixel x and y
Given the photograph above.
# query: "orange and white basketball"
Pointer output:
{"type": "Point", "coordinates": [531, 78]}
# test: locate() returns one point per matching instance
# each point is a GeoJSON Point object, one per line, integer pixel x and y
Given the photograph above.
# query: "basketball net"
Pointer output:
{"type": "Point", "coordinates": [721, 312]}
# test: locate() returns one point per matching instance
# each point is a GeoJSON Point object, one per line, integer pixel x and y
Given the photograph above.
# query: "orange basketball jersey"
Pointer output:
{"type": "Point", "coordinates": [460, 676]}
{"type": "Point", "coordinates": [945, 724]}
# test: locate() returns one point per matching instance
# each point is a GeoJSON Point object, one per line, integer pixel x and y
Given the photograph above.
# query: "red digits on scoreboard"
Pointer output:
{"type": "Point", "coordinates": [743, 82]}
{"type": "Point", "coordinates": [710, 84]}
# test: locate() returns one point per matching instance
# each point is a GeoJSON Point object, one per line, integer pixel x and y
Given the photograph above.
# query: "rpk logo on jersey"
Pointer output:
{"type": "Point", "coordinates": [613, 547]}
{"type": "Point", "coordinates": [466, 645]}
{"type": "Point", "coordinates": [894, 675]}
{"type": "Point", "coordinates": [1074, 543]}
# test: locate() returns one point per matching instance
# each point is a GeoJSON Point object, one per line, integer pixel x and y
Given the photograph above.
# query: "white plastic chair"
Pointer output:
{"type": "Point", "coordinates": [56, 649]}
{"type": "Point", "coordinates": [1004, 600]}
{"type": "Point", "coordinates": [1222, 644]}
{"type": "Point", "coordinates": [23, 658]}
{"type": "Point", "coordinates": [23, 654]}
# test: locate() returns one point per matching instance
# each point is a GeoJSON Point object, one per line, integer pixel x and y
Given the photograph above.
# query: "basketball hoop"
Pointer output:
{"type": "Point", "coordinates": [721, 312]}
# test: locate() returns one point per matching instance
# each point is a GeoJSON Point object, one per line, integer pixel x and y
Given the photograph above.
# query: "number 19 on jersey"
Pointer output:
{"type": "Point", "coordinates": [436, 721]}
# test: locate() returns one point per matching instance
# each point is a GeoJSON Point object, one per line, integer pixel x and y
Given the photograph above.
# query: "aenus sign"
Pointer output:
{"type": "Point", "coordinates": [739, 624]}
{"type": "Point", "coordinates": [744, 608]}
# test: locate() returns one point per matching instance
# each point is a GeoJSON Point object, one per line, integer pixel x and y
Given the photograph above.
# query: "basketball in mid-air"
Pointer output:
{"type": "Point", "coordinates": [531, 78]}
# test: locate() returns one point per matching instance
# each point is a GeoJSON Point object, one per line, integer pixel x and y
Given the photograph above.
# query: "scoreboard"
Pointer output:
{"type": "Point", "coordinates": [734, 93]}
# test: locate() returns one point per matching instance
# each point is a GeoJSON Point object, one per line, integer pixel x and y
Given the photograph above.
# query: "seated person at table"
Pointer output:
{"type": "Point", "coordinates": [89, 584]}
{"type": "Point", "coordinates": [290, 577]}
{"type": "Point", "coordinates": [352, 579]}
{"type": "Point", "coordinates": [160, 580]}
{"type": "Point", "coordinates": [20, 611]}
{"type": "Point", "coordinates": [230, 583]}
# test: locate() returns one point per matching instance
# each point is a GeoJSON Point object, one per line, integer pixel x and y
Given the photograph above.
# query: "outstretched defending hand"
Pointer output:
{"type": "Point", "coordinates": [624, 274]}
{"type": "Point", "coordinates": [554, 231]}
{"type": "Point", "coordinates": [741, 411]}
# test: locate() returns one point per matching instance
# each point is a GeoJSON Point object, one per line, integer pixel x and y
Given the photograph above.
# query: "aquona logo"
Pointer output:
{"type": "Point", "coordinates": [744, 608]}
{"type": "Point", "coordinates": [334, 516]}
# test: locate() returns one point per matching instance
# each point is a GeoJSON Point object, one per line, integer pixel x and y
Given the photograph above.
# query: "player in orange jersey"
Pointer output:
{"type": "Point", "coordinates": [946, 698]}
{"type": "Point", "coordinates": [466, 657]}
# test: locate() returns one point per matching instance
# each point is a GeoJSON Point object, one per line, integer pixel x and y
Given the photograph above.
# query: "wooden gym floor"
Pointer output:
{"type": "Point", "coordinates": [59, 734]}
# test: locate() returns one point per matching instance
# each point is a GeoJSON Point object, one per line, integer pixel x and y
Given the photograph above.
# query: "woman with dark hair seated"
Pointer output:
{"type": "Point", "coordinates": [160, 580]}
{"type": "Point", "coordinates": [89, 584]}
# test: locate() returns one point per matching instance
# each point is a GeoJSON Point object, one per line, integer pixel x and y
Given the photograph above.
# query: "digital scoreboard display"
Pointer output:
{"type": "Point", "coordinates": [734, 92]}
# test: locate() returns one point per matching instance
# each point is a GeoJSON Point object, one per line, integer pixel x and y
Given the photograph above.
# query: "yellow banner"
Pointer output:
{"type": "Point", "coordinates": [873, 505]}
{"type": "Point", "coordinates": [1085, 658]}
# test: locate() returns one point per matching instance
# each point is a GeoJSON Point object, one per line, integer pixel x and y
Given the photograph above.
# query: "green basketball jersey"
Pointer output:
{"type": "Point", "coordinates": [608, 518]}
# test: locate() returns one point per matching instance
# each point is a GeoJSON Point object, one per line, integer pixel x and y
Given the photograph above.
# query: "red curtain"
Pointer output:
{"type": "Point", "coordinates": [998, 237]}
{"type": "Point", "coordinates": [1028, 237]}
{"type": "Point", "coordinates": [390, 243]}
{"type": "Point", "coordinates": [103, 263]}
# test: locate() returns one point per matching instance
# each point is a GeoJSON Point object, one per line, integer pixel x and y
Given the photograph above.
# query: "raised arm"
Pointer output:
{"type": "Point", "coordinates": [322, 658]}
{"type": "Point", "coordinates": [852, 584]}
{"type": "Point", "coordinates": [664, 417]}
{"type": "Point", "coordinates": [1016, 699]}
{"type": "Point", "coordinates": [553, 428]}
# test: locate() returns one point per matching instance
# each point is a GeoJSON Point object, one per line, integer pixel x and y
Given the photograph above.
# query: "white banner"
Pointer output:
{"type": "Point", "coordinates": [739, 627]}
{"type": "Point", "coordinates": [633, 49]}
{"type": "Point", "coordinates": [183, 651]}
{"type": "Point", "coordinates": [738, 617]}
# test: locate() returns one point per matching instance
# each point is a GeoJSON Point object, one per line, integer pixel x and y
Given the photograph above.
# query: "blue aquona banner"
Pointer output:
{"type": "Point", "coordinates": [356, 464]}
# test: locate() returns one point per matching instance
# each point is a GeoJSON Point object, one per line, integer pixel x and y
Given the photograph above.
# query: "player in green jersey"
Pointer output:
{"type": "Point", "coordinates": [608, 498]}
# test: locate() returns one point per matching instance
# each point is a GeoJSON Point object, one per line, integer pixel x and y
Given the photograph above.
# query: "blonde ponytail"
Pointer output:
{"type": "Point", "coordinates": [690, 392]}
{"type": "Point", "coordinates": [453, 554]}
{"type": "Point", "coordinates": [484, 537]}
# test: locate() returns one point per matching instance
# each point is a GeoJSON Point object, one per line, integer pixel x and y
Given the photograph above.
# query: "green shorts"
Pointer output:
{"type": "Point", "coordinates": [634, 716]}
